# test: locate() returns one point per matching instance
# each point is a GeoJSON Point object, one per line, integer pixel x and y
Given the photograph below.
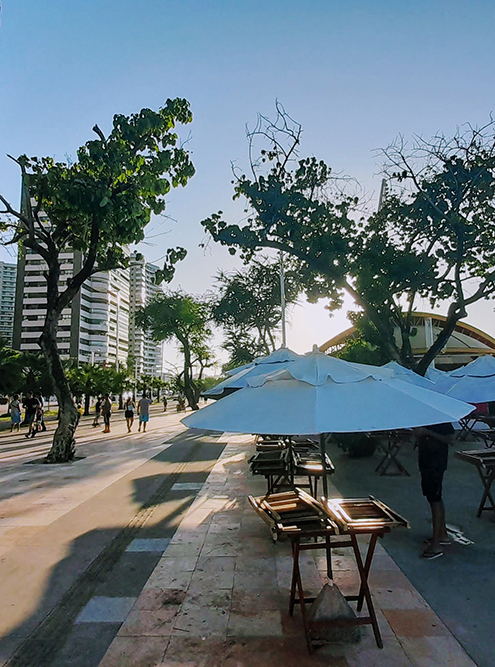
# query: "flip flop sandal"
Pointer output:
{"type": "Point", "coordinates": [431, 555]}
{"type": "Point", "coordinates": [443, 543]}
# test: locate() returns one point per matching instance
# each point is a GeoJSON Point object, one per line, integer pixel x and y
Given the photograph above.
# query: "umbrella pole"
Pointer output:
{"type": "Point", "coordinates": [323, 463]}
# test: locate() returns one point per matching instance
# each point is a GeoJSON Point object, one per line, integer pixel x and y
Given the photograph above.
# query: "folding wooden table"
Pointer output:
{"type": "Point", "coordinates": [305, 520]}
{"type": "Point", "coordinates": [484, 460]}
{"type": "Point", "coordinates": [393, 443]}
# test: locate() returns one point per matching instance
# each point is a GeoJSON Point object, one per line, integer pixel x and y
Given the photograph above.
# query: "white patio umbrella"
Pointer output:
{"type": "Point", "coordinates": [473, 383]}
{"type": "Point", "coordinates": [274, 361]}
{"type": "Point", "coordinates": [406, 374]}
{"type": "Point", "coordinates": [321, 394]}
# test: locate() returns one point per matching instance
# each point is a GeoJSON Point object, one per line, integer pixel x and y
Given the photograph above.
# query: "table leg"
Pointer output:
{"type": "Point", "coordinates": [367, 567]}
{"type": "Point", "coordinates": [328, 549]}
{"type": "Point", "coordinates": [297, 583]}
{"type": "Point", "coordinates": [382, 461]}
{"type": "Point", "coordinates": [391, 457]}
{"type": "Point", "coordinates": [486, 480]}
{"type": "Point", "coordinates": [295, 545]}
{"type": "Point", "coordinates": [366, 591]}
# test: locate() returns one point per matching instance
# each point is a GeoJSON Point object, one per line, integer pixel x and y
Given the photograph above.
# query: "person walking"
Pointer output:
{"type": "Point", "coordinates": [129, 413]}
{"type": "Point", "coordinates": [165, 403]}
{"type": "Point", "coordinates": [433, 453]}
{"type": "Point", "coordinates": [30, 404]}
{"type": "Point", "coordinates": [143, 411]}
{"type": "Point", "coordinates": [41, 413]}
{"type": "Point", "coordinates": [15, 413]}
{"type": "Point", "coordinates": [96, 420]}
{"type": "Point", "coordinates": [106, 411]}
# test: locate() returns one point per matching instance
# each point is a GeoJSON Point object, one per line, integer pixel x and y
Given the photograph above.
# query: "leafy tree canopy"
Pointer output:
{"type": "Point", "coordinates": [248, 307]}
{"type": "Point", "coordinates": [433, 235]}
{"type": "Point", "coordinates": [98, 205]}
{"type": "Point", "coordinates": [185, 319]}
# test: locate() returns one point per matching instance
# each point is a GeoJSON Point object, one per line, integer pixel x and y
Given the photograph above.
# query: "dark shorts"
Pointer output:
{"type": "Point", "coordinates": [432, 460]}
{"type": "Point", "coordinates": [29, 417]}
{"type": "Point", "coordinates": [129, 414]}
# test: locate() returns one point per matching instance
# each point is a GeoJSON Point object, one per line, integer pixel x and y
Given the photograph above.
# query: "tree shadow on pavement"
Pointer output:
{"type": "Point", "coordinates": [111, 563]}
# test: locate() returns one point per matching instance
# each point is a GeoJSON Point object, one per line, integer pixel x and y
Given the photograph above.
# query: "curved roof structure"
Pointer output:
{"type": "Point", "coordinates": [465, 344]}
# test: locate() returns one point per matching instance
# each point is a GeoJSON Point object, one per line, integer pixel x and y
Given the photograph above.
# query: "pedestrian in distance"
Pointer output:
{"type": "Point", "coordinates": [143, 412]}
{"type": "Point", "coordinates": [15, 413]}
{"type": "Point", "coordinates": [96, 420]}
{"type": "Point", "coordinates": [106, 411]}
{"type": "Point", "coordinates": [38, 418]}
{"type": "Point", "coordinates": [129, 413]}
{"type": "Point", "coordinates": [31, 405]}
{"type": "Point", "coordinates": [433, 452]}
{"type": "Point", "coordinates": [41, 413]}
{"type": "Point", "coordinates": [165, 403]}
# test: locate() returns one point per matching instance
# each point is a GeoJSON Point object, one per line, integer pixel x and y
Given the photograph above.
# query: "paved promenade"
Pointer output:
{"type": "Point", "coordinates": [218, 596]}
{"type": "Point", "coordinates": [96, 527]}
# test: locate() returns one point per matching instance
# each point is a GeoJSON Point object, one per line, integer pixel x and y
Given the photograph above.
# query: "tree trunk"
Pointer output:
{"type": "Point", "coordinates": [63, 445]}
{"type": "Point", "coordinates": [121, 402]}
{"type": "Point", "coordinates": [87, 401]}
{"type": "Point", "coordinates": [188, 385]}
{"type": "Point", "coordinates": [456, 312]}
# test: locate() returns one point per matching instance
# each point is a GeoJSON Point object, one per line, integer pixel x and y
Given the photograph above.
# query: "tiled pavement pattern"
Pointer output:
{"type": "Point", "coordinates": [218, 596]}
{"type": "Point", "coordinates": [96, 499]}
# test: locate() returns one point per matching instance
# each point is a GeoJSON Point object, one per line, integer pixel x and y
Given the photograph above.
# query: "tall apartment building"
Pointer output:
{"type": "Point", "coordinates": [7, 298]}
{"type": "Point", "coordinates": [93, 329]}
{"type": "Point", "coordinates": [146, 353]}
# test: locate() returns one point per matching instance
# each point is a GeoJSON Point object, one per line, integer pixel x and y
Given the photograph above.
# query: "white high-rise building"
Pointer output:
{"type": "Point", "coordinates": [7, 298]}
{"type": "Point", "coordinates": [93, 329]}
{"type": "Point", "coordinates": [146, 353]}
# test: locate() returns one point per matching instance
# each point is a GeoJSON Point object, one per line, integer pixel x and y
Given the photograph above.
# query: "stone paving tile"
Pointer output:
{"type": "Point", "coordinates": [159, 598]}
{"type": "Point", "coordinates": [231, 594]}
{"type": "Point", "coordinates": [274, 652]}
{"type": "Point", "coordinates": [187, 486]}
{"type": "Point", "coordinates": [106, 610]}
{"type": "Point", "coordinates": [435, 652]}
{"type": "Point", "coordinates": [149, 544]}
{"type": "Point", "coordinates": [198, 621]}
{"type": "Point", "coordinates": [86, 645]}
{"type": "Point", "coordinates": [398, 598]}
{"type": "Point", "coordinates": [135, 652]}
{"type": "Point", "coordinates": [194, 652]}
{"type": "Point", "coordinates": [165, 576]}
{"type": "Point", "coordinates": [213, 573]}
{"type": "Point", "coordinates": [256, 623]}
{"type": "Point", "coordinates": [150, 623]}
{"type": "Point", "coordinates": [415, 623]}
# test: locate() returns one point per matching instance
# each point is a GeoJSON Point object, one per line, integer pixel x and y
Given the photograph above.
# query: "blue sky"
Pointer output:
{"type": "Point", "coordinates": [354, 73]}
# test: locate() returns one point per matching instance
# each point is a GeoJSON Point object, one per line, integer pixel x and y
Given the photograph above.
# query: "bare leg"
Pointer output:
{"type": "Point", "coordinates": [439, 528]}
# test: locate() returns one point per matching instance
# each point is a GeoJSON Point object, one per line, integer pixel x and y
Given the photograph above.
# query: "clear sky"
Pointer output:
{"type": "Point", "coordinates": [354, 73]}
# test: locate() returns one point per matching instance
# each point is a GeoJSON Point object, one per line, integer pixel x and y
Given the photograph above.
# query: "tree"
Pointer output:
{"type": "Point", "coordinates": [432, 235]}
{"type": "Point", "coordinates": [441, 209]}
{"type": "Point", "coordinates": [185, 319]}
{"type": "Point", "coordinates": [96, 205]}
{"type": "Point", "coordinates": [10, 370]}
{"type": "Point", "coordinates": [248, 307]}
{"type": "Point", "coordinates": [88, 381]}
{"type": "Point", "coordinates": [364, 345]}
{"type": "Point", "coordinates": [23, 371]}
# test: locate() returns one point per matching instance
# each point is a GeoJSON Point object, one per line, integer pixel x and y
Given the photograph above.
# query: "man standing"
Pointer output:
{"type": "Point", "coordinates": [31, 405]}
{"type": "Point", "coordinates": [106, 411]}
{"type": "Point", "coordinates": [143, 411]}
{"type": "Point", "coordinates": [433, 453]}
